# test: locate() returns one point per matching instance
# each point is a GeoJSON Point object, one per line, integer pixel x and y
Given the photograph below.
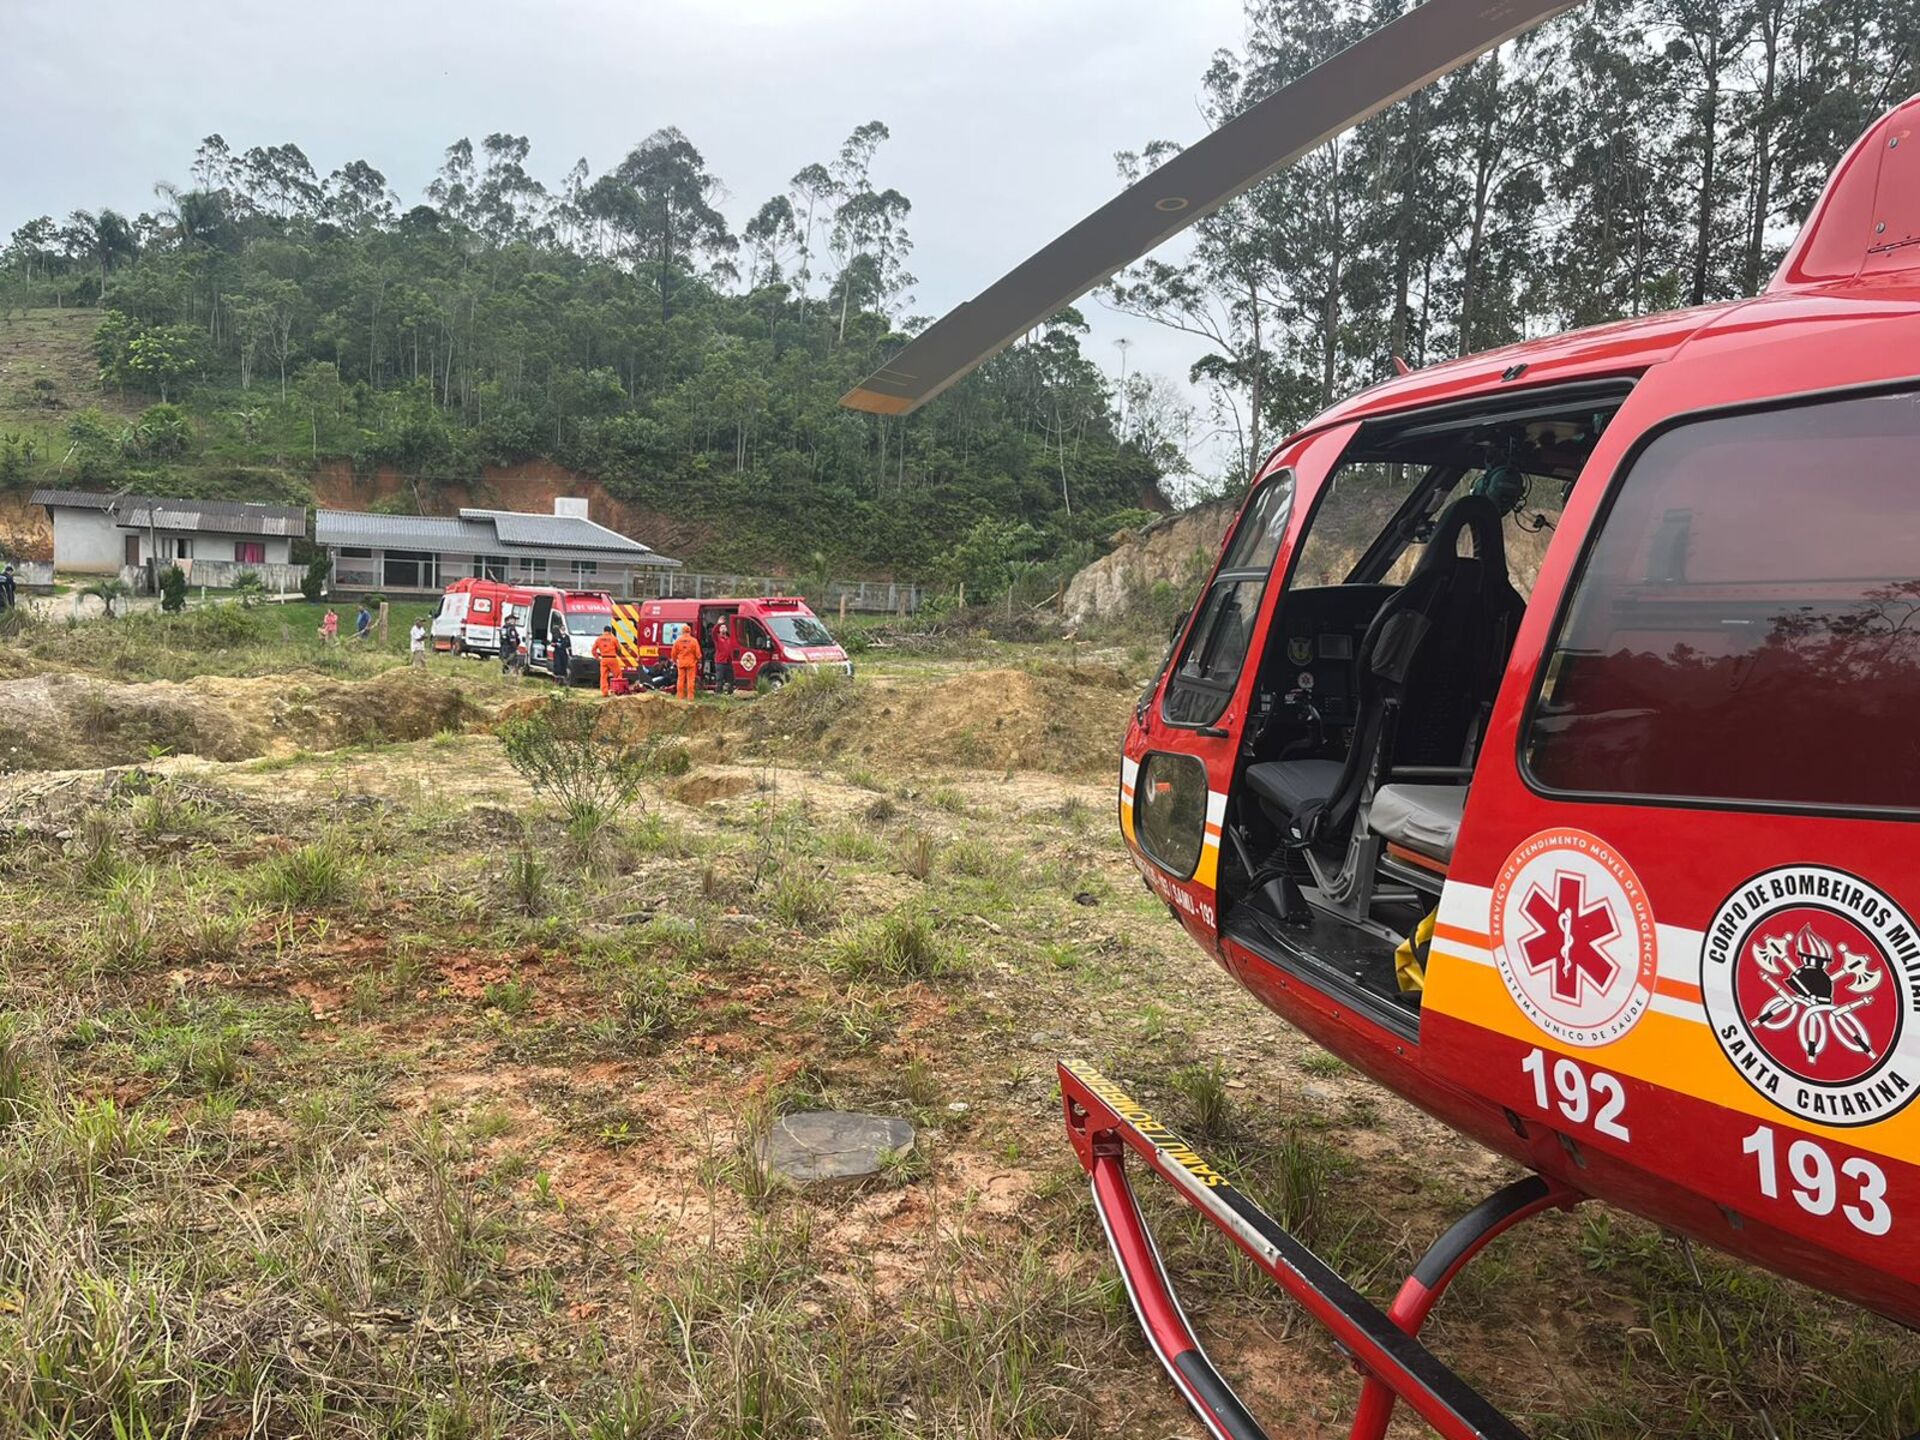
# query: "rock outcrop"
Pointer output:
{"type": "Point", "coordinates": [1175, 550]}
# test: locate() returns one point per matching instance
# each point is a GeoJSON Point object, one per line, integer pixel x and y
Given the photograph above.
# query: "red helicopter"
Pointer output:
{"type": "Point", "coordinates": [1543, 745]}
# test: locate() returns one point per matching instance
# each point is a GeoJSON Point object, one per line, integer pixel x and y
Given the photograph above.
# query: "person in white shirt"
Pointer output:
{"type": "Point", "coordinates": [417, 643]}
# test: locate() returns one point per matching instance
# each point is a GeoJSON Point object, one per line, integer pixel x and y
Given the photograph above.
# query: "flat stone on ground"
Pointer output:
{"type": "Point", "coordinates": [832, 1146]}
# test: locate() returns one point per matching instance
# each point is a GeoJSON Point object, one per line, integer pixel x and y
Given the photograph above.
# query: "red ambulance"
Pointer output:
{"type": "Point", "coordinates": [774, 636]}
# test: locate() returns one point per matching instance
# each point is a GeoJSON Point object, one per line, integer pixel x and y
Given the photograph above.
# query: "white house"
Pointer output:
{"type": "Point", "coordinates": [401, 553]}
{"type": "Point", "coordinates": [102, 534]}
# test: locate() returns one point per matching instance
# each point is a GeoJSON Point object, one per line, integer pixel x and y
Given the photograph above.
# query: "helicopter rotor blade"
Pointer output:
{"type": "Point", "coordinates": [1394, 61]}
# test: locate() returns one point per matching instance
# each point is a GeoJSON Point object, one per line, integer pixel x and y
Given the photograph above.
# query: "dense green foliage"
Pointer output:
{"type": "Point", "coordinates": [616, 324]}
{"type": "Point", "coordinates": [1628, 157]}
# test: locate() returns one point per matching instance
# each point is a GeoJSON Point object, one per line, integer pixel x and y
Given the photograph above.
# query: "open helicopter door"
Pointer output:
{"type": "Point", "coordinates": [1173, 795]}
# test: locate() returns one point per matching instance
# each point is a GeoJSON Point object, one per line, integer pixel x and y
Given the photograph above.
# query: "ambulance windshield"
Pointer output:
{"type": "Point", "coordinates": [799, 630]}
{"type": "Point", "coordinates": [589, 625]}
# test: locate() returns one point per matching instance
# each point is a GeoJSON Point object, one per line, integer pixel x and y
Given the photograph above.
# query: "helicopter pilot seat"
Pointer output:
{"type": "Point", "coordinates": [1428, 669]}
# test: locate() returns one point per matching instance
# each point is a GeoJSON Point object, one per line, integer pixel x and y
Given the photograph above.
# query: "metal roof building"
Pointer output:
{"type": "Point", "coordinates": [99, 533]}
{"type": "Point", "coordinates": [427, 552]}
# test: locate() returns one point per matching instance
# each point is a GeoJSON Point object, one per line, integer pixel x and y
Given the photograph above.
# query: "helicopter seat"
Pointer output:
{"type": "Point", "coordinates": [1424, 819]}
{"type": "Point", "coordinates": [1427, 672]}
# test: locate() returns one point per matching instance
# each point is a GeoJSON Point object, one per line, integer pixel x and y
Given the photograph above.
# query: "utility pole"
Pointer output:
{"type": "Point", "coordinates": [1121, 345]}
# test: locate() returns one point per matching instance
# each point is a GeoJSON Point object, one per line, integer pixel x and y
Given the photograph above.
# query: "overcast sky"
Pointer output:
{"type": "Point", "coordinates": [1005, 113]}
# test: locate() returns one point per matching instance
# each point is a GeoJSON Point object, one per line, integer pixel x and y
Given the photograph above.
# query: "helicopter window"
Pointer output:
{"type": "Point", "coordinates": [1746, 624]}
{"type": "Point", "coordinates": [1374, 517]}
{"type": "Point", "coordinates": [1216, 648]}
{"type": "Point", "coordinates": [1170, 811]}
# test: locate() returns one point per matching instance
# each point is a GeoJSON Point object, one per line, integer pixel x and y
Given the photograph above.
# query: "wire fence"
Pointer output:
{"type": "Point", "coordinates": [878, 597]}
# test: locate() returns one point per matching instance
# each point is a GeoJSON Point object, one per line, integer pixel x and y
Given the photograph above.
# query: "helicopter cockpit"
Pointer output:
{"type": "Point", "coordinates": [1377, 679]}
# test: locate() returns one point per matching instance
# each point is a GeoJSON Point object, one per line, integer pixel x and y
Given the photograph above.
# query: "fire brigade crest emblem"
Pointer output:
{"type": "Point", "coordinates": [1811, 979]}
{"type": "Point", "coordinates": [1573, 937]}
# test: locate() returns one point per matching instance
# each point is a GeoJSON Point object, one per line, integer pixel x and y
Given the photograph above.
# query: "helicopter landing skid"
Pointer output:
{"type": "Point", "coordinates": [1104, 1123]}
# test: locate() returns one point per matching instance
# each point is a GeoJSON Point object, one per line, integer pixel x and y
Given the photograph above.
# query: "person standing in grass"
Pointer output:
{"type": "Point", "coordinates": [510, 662]}
{"type": "Point", "coordinates": [723, 650]}
{"type": "Point", "coordinates": [330, 626]}
{"type": "Point", "coordinates": [417, 643]}
{"type": "Point", "coordinates": [607, 651]}
{"type": "Point", "coordinates": [686, 662]}
{"type": "Point", "coordinates": [7, 593]}
{"type": "Point", "coordinates": [363, 623]}
{"type": "Point", "coordinates": [560, 654]}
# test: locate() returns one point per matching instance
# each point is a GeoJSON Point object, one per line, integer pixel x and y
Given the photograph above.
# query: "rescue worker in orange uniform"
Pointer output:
{"type": "Point", "coordinates": [607, 651]}
{"type": "Point", "coordinates": [686, 661]}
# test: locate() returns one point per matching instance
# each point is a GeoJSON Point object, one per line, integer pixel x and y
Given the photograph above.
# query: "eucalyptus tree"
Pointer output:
{"type": "Point", "coordinates": [667, 213]}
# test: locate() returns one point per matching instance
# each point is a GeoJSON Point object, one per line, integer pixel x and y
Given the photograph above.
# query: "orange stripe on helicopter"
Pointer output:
{"type": "Point", "coordinates": [1460, 935]}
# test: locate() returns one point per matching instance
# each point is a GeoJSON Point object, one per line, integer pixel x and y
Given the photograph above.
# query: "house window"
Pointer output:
{"type": "Point", "coordinates": [410, 570]}
{"type": "Point", "coordinates": [250, 552]}
{"type": "Point", "coordinates": [355, 552]}
{"type": "Point", "coordinates": [490, 567]}
{"type": "Point", "coordinates": [177, 547]}
{"type": "Point", "coordinates": [533, 567]}
{"type": "Point", "coordinates": [585, 569]}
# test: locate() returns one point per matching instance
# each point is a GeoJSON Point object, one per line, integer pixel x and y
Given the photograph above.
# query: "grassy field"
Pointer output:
{"type": "Point", "coordinates": [346, 1089]}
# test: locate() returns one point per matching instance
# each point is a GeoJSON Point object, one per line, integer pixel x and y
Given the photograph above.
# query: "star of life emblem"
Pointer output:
{"type": "Point", "coordinates": [1573, 937]}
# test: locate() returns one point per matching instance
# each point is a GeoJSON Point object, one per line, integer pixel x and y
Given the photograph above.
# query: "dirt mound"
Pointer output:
{"type": "Point", "coordinates": [60, 722]}
{"type": "Point", "coordinates": [1068, 720]}
{"type": "Point", "coordinates": [705, 787]}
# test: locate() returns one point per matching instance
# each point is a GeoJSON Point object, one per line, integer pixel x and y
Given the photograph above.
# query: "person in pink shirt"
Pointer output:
{"type": "Point", "coordinates": [723, 653]}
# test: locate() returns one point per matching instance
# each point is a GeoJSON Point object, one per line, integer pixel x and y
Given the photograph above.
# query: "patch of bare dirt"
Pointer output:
{"type": "Point", "coordinates": [1066, 720]}
{"type": "Point", "coordinates": [705, 787]}
{"type": "Point", "coordinates": [57, 722]}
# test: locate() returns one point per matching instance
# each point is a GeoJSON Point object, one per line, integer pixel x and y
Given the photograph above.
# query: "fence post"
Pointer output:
{"type": "Point", "coordinates": [843, 607]}
{"type": "Point", "coordinates": [383, 624]}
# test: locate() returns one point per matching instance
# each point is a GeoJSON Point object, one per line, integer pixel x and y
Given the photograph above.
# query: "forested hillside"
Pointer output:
{"type": "Point", "coordinates": [1628, 157]}
{"type": "Point", "coordinates": [258, 318]}
{"type": "Point", "coordinates": [615, 323]}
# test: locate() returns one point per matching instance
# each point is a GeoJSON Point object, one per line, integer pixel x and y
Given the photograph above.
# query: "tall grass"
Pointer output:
{"type": "Point", "coordinates": [315, 876]}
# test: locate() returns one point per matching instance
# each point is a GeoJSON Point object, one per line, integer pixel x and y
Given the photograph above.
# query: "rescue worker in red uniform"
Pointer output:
{"type": "Point", "coordinates": [723, 653]}
{"type": "Point", "coordinates": [686, 661]}
{"type": "Point", "coordinates": [607, 651]}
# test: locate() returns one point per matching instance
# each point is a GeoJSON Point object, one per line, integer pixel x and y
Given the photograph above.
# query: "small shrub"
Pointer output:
{"type": "Point", "coordinates": [511, 996]}
{"type": "Point", "coordinates": [249, 589]}
{"type": "Point", "coordinates": [526, 881]}
{"type": "Point", "coordinates": [173, 590]}
{"type": "Point", "coordinates": [163, 431]}
{"type": "Point", "coordinates": [916, 855]}
{"type": "Point", "coordinates": [108, 592]}
{"type": "Point", "coordinates": [561, 750]}
{"type": "Point", "coordinates": [313, 584]}
{"type": "Point", "coordinates": [650, 1002]}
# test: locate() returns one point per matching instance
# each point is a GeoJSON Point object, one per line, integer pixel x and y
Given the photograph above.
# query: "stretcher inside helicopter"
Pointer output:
{"type": "Point", "coordinates": [1379, 673]}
